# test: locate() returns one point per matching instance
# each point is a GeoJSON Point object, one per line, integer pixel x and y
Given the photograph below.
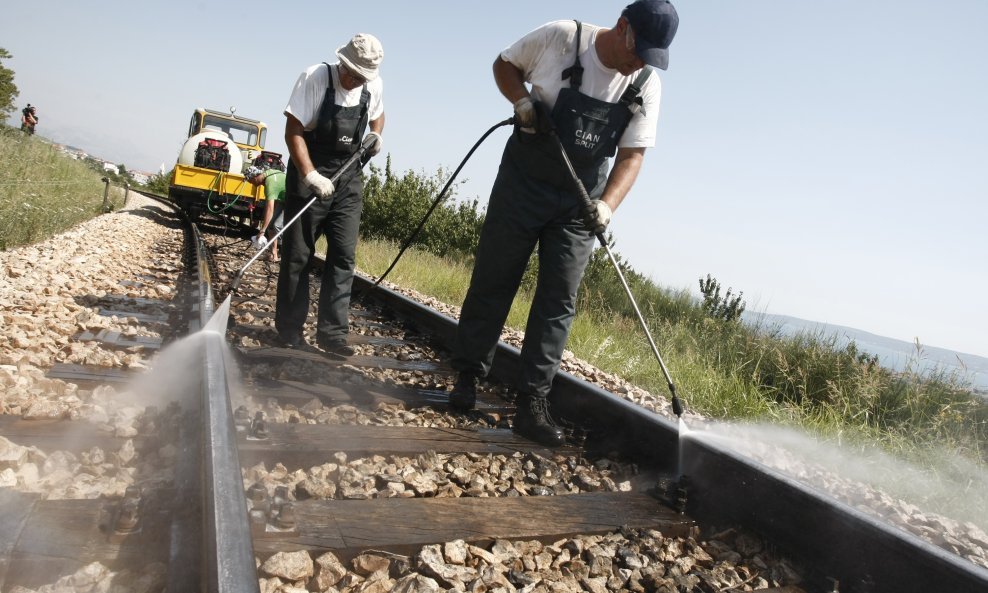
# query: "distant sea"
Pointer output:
{"type": "Point", "coordinates": [894, 354]}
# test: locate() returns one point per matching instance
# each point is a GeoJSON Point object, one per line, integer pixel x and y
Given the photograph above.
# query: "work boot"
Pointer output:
{"type": "Point", "coordinates": [336, 348]}
{"type": "Point", "coordinates": [299, 345]}
{"type": "Point", "coordinates": [290, 340]}
{"type": "Point", "coordinates": [464, 395]}
{"type": "Point", "coordinates": [532, 421]}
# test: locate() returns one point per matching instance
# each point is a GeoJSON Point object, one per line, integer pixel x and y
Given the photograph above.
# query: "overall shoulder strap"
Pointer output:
{"type": "Point", "coordinates": [328, 100]}
{"type": "Point", "coordinates": [364, 97]}
{"type": "Point", "coordinates": [632, 98]}
{"type": "Point", "coordinates": [364, 93]}
{"type": "Point", "coordinates": [575, 72]}
{"type": "Point", "coordinates": [329, 75]}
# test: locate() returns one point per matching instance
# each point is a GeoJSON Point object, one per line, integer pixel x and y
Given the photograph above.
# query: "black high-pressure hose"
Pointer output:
{"type": "Point", "coordinates": [357, 157]}
{"type": "Point", "coordinates": [677, 405]}
{"type": "Point", "coordinates": [438, 200]}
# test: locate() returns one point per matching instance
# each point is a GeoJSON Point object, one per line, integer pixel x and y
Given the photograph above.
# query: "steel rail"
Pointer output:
{"type": "Point", "coordinates": [221, 533]}
{"type": "Point", "coordinates": [229, 548]}
{"type": "Point", "coordinates": [838, 542]}
{"type": "Point", "coordinates": [203, 279]}
{"type": "Point", "coordinates": [847, 545]}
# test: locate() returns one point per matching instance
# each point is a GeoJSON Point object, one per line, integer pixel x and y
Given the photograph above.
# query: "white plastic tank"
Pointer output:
{"type": "Point", "coordinates": [187, 156]}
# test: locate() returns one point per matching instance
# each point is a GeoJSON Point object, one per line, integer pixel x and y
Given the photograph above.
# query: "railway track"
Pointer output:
{"type": "Point", "coordinates": [353, 475]}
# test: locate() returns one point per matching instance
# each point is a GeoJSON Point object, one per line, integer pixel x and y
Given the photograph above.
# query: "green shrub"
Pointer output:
{"type": "Point", "coordinates": [603, 295]}
{"type": "Point", "coordinates": [395, 206]}
{"type": "Point", "coordinates": [717, 306]}
{"type": "Point", "coordinates": [158, 183]}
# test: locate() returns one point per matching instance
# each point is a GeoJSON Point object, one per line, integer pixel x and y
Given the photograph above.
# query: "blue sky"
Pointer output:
{"type": "Point", "coordinates": [827, 158]}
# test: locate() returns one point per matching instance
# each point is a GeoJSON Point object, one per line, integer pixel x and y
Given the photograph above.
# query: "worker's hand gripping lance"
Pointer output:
{"type": "Point", "coordinates": [588, 207]}
{"type": "Point", "coordinates": [350, 162]}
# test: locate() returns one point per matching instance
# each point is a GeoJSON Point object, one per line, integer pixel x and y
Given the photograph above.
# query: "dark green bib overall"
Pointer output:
{"type": "Point", "coordinates": [534, 202]}
{"type": "Point", "coordinates": [335, 137]}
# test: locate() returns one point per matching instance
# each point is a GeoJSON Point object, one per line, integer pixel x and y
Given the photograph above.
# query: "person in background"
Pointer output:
{"type": "Point", "coordinates": [593, 88]}
{"type": "Point", "coordinates": [330, 109]}
{"type": "Point", "coordinates": [29, 119]}
{"type": "Point", "coordinates": [274, 203]}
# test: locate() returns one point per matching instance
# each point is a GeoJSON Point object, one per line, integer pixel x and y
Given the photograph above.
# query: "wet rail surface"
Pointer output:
{"type": "Point", "coordinates": [289, 411]}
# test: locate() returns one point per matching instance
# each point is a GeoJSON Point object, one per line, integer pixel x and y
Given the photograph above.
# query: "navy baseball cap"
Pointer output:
{"type": "Point", "coordinates": [654, 23]}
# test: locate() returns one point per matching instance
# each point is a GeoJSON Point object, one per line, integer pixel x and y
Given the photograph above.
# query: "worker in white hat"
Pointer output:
{"type": "Point", "coordinates": [330, 110]}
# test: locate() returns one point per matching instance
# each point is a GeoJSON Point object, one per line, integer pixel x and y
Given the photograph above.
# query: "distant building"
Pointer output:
{"type": "Point", "coordinates": [71, 151]}
{"type": "Point", "coordinates": [111, 168]}
{"type": "Point", "coordinates": [141, 177]}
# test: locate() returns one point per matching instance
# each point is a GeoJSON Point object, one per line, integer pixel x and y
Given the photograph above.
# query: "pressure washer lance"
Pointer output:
{"type": "Point", "coordinates": [677, 405]}
{"type": "Point", "coordinates": [355, 158]}
{"type": "Point", "coordinates": [435, 203]}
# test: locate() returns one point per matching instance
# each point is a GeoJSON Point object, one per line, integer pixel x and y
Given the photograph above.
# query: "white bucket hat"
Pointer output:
{"type": "Point", "coordinates": [362, 55]}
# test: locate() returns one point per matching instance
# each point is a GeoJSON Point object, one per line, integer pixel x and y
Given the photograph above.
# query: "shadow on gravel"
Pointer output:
{"type": "Point", "coordinates": [157, 214]}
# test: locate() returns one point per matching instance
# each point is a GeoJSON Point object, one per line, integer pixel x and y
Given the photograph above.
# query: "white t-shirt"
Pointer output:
{"type": "Point", "coordinates": [310, 88]}
{"type": "Point", "coordinates": [543, 54]}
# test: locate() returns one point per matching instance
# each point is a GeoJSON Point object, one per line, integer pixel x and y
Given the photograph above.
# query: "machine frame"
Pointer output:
{"type": "Point", "coordinates": [198, 189]}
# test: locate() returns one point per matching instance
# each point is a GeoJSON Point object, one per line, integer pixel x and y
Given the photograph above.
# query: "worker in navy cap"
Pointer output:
{"type": "Point", "coordinates": [593, 88]}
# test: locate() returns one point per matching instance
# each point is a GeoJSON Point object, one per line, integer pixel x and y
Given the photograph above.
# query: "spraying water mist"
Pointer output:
{"type": "Point", "coordinates": [861, 476]}
{"type": "Point", "coordinates": [174, 374]}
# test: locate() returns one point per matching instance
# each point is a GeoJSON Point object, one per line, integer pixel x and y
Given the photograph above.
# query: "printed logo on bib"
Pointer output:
{"type": "Point", "coordinates": [587, 139]}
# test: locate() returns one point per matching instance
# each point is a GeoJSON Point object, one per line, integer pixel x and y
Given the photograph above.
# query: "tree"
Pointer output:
{"type": "Point", "coordinates": [159, 183]}
{"type": "Point", "coordinates": [726, 308]}
{"type": "Point", "coordinates": [8, 90]}
{"type": "Point", "coordinates": [395, 205]}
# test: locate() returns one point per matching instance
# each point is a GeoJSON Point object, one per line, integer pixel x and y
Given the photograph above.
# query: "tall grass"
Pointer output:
{"type": "Point", "coordinates": [444, 278]}
{"type": "Point", "coordinates": [42, 191]}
